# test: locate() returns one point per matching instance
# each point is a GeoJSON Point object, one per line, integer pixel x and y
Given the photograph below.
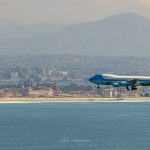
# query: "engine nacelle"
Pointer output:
{"type": "Point", "coordinates": [116, 85]}
{"type": "Point", "coordinates": [120, 84]}
{"type": "Point", "coordinates": [123, 83]}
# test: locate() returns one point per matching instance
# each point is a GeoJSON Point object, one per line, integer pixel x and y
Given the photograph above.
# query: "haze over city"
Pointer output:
{"type": "Point", "coordinates": [69, 11]}
{"type": "Point", "coordinates": [77, 26]}
{"type": "Point", "coordinates": [83, 27]}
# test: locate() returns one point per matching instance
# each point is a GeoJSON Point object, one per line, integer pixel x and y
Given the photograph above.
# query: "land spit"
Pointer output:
{"type": "Point", "coordinates": [58, 99]}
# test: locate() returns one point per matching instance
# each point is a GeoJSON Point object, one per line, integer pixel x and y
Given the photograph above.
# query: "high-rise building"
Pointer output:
{"type": "Point", "coordinates": [42, 71]}
{"type": "Point", "coordinates": [50, 72]}
{"type": "Point", "coordinates": [26, 71]}
{"type": "Point", "coordinates": [14, 77]}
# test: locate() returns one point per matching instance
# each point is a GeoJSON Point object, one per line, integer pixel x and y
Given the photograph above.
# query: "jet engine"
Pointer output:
{"type": "Point", "coordinates": [123, 83]}
{"type": "Point", "coordinates": [116, 85]}
{"type": "Point", "coordinates": [120, 84]}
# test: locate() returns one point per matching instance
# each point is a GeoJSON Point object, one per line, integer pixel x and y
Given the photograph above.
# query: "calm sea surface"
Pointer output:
{"type": "Point", "coordinates": [75, 126]}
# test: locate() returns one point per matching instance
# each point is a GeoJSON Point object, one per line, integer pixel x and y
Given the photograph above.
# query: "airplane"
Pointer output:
{"type": "Point", "coordinates": [129, 82]}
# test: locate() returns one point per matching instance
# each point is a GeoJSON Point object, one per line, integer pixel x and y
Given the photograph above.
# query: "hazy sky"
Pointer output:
{"type": "Point", "coordinates": [69, 10]}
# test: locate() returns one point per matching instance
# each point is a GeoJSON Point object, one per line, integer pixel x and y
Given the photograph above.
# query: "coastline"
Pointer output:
{"type": "Point", "coordinates": [46, 100]}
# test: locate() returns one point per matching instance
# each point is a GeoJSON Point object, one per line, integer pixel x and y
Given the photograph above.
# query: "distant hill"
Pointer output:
{"type": "Point", "coordinates": [15, 29]}
{"type": "Point", "coordinates": [122, 34]}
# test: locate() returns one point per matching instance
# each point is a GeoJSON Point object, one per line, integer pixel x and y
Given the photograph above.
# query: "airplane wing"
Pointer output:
{"type": "Point", "coordinates": [132, 82]}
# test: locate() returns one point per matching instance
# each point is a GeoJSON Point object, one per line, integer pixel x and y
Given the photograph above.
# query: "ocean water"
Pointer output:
{"type": "Point", "coordinates": [75, 126]}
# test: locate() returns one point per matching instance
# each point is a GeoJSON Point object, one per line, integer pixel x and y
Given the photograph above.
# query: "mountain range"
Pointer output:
{"type": "Point", "coordinates": [119, 35]}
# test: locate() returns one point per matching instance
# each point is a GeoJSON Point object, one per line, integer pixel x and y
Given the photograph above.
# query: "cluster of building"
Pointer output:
{"type": "Point", "coordinates": [41, 91]}
{"type": "Point", "coordinates": [57, 91]}
{"type": "Point", "coordinates": [35, 76]}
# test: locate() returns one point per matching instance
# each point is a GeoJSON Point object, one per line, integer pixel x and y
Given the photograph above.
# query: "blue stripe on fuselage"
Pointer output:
{"type": "Point", "coordinates": [97, 79]}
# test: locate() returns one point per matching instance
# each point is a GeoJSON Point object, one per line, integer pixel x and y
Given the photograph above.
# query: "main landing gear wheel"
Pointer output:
{"type": "Point", "coordinates": [127, 88]}
{"type": "Point", "coordinates": [133, 88]}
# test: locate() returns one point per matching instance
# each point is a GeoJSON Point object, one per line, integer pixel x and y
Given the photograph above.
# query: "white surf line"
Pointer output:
{"type": "Point", "coordinates": [74, 101]}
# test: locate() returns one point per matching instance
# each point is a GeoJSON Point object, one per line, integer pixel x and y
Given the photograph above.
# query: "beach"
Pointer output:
{"type": "Point", "coordinates": [58, 99]}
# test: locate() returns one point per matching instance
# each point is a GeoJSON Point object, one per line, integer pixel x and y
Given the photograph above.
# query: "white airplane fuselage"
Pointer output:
{"type": "Point", "coordinates": [119, 81]}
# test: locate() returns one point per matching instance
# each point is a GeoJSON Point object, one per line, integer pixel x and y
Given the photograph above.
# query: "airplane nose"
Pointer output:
{"type": "Point", "coordinates": [91, 79]}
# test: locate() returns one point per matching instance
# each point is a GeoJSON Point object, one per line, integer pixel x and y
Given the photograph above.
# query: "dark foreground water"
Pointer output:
{"type": "Point", "coordinates": [75, 126]}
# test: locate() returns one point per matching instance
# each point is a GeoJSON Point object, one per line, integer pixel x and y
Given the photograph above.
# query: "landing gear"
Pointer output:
{"type": "Point", "coordinates": [133, 88]}
{"type": "Point", "coordinates": [98, 86]}
{"type": "Point", "coordinates": [127, 88]}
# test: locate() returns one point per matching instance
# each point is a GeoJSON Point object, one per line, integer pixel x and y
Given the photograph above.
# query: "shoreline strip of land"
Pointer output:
{"type": "Point", "coordinates": [85, 99]}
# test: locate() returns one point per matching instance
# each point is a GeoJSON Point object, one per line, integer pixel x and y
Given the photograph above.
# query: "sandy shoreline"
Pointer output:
{"type": "Point", "coordinates": [44, 100]}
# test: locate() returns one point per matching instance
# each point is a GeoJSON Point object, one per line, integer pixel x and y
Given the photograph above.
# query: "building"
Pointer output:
{"type": "Point", "coordinates": [63, 73]}
{"type": "Point", "coordinates": [41, 93]}
{"type": "Point", "coordinates": [14, 77]}
{"type": "Point", "coordinates": [26, 71]}
{"type": "Point", "coordinates": [108, 93]}
{"type": "Point", "coordinates": [42, 71]}
{"type": "Point", "coordinates": [57, 91]}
